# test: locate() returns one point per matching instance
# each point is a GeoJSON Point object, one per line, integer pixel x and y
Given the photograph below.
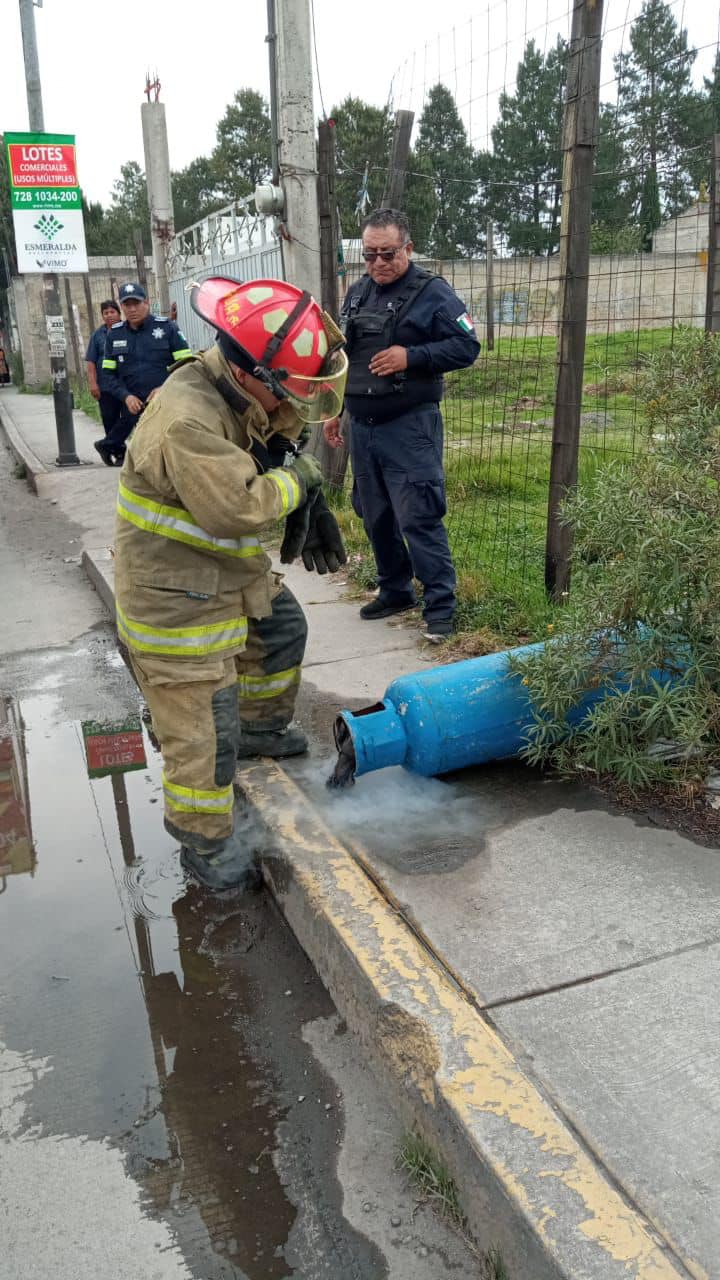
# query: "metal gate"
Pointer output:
{"type": "Point", "coordinates": [235, 241]}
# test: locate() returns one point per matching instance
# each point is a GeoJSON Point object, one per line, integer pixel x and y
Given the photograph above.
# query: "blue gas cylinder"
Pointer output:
{"type": "Point", "coordinates": [446, 718]}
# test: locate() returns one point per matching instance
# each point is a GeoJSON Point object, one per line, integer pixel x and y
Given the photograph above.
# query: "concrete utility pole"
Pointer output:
{"type": "Point", "coordinates": [580, 131]}
{"type": "Point", "coordinates": [297, 151]}
{"type": "Point", "coordinates": [157, 169]}
{"type": "Point", "coordinates": [62, 396]}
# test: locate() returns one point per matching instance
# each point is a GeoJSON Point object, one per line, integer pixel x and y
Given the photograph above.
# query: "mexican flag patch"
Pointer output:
{"type": "Point", "coordinates": [465, 322]}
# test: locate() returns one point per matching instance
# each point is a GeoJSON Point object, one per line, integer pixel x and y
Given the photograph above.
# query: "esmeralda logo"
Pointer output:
{"type": "Point", "coordinates": [48, 225]}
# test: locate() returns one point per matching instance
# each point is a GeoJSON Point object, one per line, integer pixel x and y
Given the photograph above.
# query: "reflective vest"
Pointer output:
{"type": "Point", "coordinates": [192, 502]}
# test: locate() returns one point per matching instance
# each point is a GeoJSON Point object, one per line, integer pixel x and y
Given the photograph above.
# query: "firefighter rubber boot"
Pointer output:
{"type": "Point", "coordinates": [276, 743]}
{"type": "Point", "coordinates": [227, 865]}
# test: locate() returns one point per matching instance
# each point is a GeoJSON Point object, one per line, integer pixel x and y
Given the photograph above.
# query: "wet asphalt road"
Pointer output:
{"type": "Point", "coordinates": [178, 1096]}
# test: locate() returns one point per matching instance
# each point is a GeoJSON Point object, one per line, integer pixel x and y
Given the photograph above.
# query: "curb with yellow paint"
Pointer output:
{"type": "Point", "coordinates": [527, 1184]}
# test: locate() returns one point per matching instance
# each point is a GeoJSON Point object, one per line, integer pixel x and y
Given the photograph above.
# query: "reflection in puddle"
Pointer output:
{"type": "Point", "coordinates": [113, 747]}
{"type": "Point", "coordinates": [17, 855]}
{"type": "Point", "coordinates": [162, 1010]}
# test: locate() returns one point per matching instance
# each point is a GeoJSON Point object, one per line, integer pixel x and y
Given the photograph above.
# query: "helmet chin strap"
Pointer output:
{"type": "Point", "coordinates": [271, 380]}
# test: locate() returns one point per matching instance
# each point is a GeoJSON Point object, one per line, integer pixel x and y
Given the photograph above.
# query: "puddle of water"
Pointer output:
{"type": "Point", "coordinates": [155, 1005]}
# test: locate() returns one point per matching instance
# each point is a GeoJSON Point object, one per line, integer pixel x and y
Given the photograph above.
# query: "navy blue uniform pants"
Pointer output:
{"type": "Point", "coordinates": [118, 434]}
{"type": "Point", "coordinates": [399, 491]}
{"type": "Point", "coordinates": [110, 409]}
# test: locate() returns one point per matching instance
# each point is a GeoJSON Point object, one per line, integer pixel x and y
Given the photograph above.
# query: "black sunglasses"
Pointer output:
{"type": "Point", "coordinates": [386, 255]}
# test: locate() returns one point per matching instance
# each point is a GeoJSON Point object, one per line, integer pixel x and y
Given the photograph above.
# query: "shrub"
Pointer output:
{"type": "Point", "coordinates": [644, 613]}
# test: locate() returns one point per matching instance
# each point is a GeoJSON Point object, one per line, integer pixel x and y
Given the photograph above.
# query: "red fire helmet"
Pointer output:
{"type": "Point", "coordinates": [281, 337]}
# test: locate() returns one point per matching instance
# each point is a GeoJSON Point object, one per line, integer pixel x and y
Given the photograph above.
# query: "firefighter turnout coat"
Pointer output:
{"type": "Point", "coordinates": [189, 567]}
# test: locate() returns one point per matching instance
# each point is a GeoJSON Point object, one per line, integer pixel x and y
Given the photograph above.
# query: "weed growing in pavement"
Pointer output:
{"type": "Point", "coordinates": [431, 1179]}
{"type": "Point", "coordinates": [20, 471]}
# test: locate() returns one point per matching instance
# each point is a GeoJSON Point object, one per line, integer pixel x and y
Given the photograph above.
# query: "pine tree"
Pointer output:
{"type": "Point", "coordinates": [446, 210]}
{"type": "Point", "coordinates": [650, 216]}
{"type": "Point", "coordinates": [362, 141]}
{"type": "Point", "coordinates": [525, 166]}
{"type": "Point", "coordinates": [613, 197]}
{"type": "Point", "coordinates": [656, 102]}
{"type": "Point", "coordinates": [712, 89]}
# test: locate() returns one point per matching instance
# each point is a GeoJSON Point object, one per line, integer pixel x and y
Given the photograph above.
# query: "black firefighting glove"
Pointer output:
{"type": "Point", "coordinates": [297, 527]}
{"type": "Point", "coordinates": [323, 549]}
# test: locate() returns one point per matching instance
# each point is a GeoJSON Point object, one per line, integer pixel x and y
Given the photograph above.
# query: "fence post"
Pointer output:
{"type": "Point", "coordinates": [399, 151]}
{"type": "Point", "coordinates": [580, 132]}
{"type": "Point", "coordinates": [712, 305]}
{"type": "Point", "coordinates": [332, 461]}
{"type": "Point", "coordinates": [489, 287]}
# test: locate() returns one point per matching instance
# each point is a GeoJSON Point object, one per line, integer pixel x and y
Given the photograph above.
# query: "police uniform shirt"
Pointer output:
{"type": "Point", "coordinates": [136, 361]}
{"type": "Point", "coordinates": [96, 348]}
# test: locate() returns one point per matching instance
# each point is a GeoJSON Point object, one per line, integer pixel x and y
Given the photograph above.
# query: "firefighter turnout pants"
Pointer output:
{"type": "Point", "coordinates": [198, 707]}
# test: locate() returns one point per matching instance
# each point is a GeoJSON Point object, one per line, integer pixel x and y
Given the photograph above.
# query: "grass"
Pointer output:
{"type": "Point", "coordinates": [498, 423]}
{"type": "Point", "coordinates": [81, 396]}
{"type": "Point", "coordinates": [428, 1175]}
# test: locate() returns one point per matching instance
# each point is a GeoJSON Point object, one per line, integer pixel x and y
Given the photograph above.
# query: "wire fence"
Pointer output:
{"type": "Point", "coordinates": [487, 153]}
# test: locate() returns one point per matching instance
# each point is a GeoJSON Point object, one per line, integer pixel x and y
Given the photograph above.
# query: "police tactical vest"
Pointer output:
{"type": "Point", "coordinates": [369, 330]}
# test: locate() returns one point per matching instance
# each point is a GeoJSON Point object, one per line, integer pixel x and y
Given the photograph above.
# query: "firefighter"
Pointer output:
{"type": "Point", "coordinates": [215, 640]}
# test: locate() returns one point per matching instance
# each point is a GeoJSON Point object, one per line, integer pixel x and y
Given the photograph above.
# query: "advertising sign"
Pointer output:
{"type": "Point", "coordinates": [46, 202]}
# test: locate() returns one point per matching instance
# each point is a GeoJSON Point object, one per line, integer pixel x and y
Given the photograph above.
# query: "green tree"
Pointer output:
{"type": "Point", "coordinates": [525, 167]}
{"type": "Point", "coordinates": [657, 106]}
{"type": "Point", "coordinates": [650, 216]}
{"type": "Point", "coordinates": [97, 233]}
{"type": "Point", "coordinates": [712, 89]}
{"type": "Point", "coordinates": [128, 209]}
{"type": "Point", "coordinates": [7, 237]}
{"type": "Point", "coordinates": [613, 191]}
{"type": "Point", "coordinates": [195, 192]}
{"type": "Point", "coordinates": [242, 155]}
{"type": "Point", "coordinates": [362, 140]}
{"type": "Point", "coordinates": [444, 201]}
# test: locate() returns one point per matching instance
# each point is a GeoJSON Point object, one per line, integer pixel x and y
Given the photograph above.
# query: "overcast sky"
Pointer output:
{"type": "Point", "coordinates": [93, 60]}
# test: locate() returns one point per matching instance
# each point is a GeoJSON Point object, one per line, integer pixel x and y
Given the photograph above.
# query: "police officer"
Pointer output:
{"type": "Point", "coordinates": [108, 405]}
{"type": "Point", "coordinates": [139, 352]}
{"type": "Point", "coordinates": [404, 329]}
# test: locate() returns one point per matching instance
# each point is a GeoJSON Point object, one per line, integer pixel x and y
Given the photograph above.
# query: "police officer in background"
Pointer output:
{"type": "Point", "coordinates": [108, 405]}
{"type": "Point", "coordinates": [139, 353]}
{"type": "Point", "coordinates": [404, 329]}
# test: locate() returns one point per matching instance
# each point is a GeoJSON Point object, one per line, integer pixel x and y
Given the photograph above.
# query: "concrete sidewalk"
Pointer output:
{"type": "Point", "coordinates": [533, 972]}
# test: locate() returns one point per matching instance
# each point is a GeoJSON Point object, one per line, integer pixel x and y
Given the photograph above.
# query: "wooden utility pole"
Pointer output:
{"type": "Point", "coordinates": [580, 131]}
{"type": "Point", "coordinates": [140, 257]}
{"type": "Point", "coordinates": [394, 192]}
{"type": "Point", "coordinates": [489, 287]}
{"type": "Point", "coordinates": [332, 461]}
{"type": "Point", "coordinates": [712, 305]}
{"type": "Point", "coordinates": [327, 210]}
